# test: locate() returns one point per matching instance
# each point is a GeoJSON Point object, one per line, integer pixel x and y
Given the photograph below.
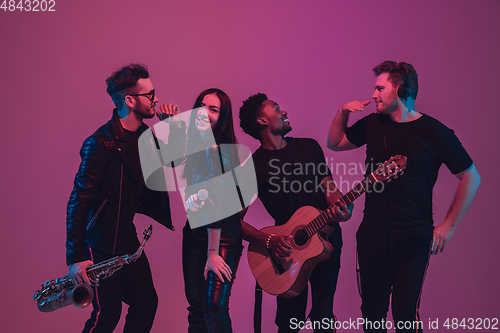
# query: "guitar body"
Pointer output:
{"type": "Point", "coordinates": [298, 266]}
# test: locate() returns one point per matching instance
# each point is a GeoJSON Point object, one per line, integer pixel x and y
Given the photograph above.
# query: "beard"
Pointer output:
{"type": "Point", "coordinates": [285, 129]}
{"type": "Point", "coordinates": [390, 106]}
{"type": "Point", "coordinates": [144, 111]}
{"type": "Point", "coordinates": [388, 109]}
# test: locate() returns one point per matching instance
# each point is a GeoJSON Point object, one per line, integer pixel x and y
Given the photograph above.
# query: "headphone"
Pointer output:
{"type": "Point", "coordinates": [404, 90]}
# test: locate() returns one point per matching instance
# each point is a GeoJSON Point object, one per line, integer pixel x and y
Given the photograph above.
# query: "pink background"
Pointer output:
{"type": "Point", "coordinates": [311, 57]}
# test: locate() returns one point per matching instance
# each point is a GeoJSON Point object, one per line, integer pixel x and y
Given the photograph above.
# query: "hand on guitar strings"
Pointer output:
{"type": "Point", "coordinates": [280, 245]}
{"type": "Point", "coordinates": [340, 212]}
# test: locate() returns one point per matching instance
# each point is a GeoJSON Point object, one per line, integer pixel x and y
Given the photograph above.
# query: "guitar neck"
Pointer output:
{"type": "Point", "coordinates": [322, 219]}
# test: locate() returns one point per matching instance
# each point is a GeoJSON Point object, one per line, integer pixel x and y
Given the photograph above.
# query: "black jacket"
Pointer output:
{"type": "Point", "coordinates": [108, 190]}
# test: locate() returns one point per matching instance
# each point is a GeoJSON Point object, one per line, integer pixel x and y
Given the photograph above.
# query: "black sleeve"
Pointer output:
{"type": "Point", "coordinates": [176, 144]}
{"type": "Point", "coordinates": [95, 157]}
{"type": "Point", "coordinates": [455, 157]}
{"type": "Point", "coordinates": [356, 134]}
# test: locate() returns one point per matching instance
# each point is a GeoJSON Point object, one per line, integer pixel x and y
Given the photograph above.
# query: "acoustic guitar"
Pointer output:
{"type": "Point", "coordinates": [287, 276]}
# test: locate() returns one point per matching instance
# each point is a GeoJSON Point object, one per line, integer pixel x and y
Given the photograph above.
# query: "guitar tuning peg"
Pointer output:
{"type": "Point", "coordinates": [401, 172]}
{"type": "Point", "coordinates": [395, 176]}
{"type": "Point", "coordinates": [389, 180]}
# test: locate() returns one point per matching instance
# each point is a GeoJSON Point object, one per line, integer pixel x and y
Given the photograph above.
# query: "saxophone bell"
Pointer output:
{"type": "Point", "coordinates": [80, 296]}
{"type": "Point", "coordinates": [61, 292]}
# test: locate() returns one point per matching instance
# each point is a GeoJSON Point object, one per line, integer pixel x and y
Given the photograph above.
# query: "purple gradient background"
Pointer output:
{"type": "Point", "coordinates": [310, 57]}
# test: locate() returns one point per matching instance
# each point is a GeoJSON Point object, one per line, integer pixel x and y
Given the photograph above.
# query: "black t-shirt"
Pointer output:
{"type": "Point", "coordinates": [290, 178]}
{"type": "Point", "coordinates": [404, 208]}
{"type": "Point", "coordinates": [133, 163]}
{"type": "Point", "coordinates": [132, 139]}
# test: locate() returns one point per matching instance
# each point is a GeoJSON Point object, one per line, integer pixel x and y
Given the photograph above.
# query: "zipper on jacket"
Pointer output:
{"type": "Point", "coordinates": [119, 207]}
{"type": "Point", "coordinates": [92, 221]}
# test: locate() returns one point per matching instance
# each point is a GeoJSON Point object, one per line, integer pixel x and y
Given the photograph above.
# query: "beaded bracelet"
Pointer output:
{"type": "Point", "coordinates": [268, 240]}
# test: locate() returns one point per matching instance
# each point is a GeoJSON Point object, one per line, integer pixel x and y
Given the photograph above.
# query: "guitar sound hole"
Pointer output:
{"type": "Point", "coordinates": [300, 237]}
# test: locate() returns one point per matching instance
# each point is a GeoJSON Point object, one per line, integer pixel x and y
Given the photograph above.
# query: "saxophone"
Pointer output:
{"type": "Point", "coordinates": [61, 292]}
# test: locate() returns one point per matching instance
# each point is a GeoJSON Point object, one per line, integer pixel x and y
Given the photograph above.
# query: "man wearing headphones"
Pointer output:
{"type": "Point", "coordinates": [396, 236]}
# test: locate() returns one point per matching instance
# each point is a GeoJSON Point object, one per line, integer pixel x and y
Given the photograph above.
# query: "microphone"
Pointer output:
{"type": "Point", "coordinates": [202, 195]}
{"type": "Point", "coordinates": [163, 116]}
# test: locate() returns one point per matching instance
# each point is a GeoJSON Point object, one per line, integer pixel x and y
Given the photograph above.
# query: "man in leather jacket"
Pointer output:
{"type": "Point", "coordinates": [109, 189]}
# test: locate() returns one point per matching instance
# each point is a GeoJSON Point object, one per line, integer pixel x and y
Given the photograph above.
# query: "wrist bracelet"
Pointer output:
{"type": "Point", "coordinates": [268, 240]}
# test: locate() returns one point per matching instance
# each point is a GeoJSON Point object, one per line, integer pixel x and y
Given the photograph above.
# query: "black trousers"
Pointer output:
{"type": "Point", "coordinates": [133, 285]}
{"type": "Point", "coordinates": [323, 282]}
{"type": "Point", "coordinates": [396, 268]}
{"type": "Point", "coordinates": [208, 299]}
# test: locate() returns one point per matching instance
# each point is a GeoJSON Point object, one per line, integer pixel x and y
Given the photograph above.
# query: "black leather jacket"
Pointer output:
{"type": "Point", "coordinates": [108, 190]}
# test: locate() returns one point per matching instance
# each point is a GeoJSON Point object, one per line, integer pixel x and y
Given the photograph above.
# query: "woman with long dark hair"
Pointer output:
{"type": "Point", "coordinates": [211, 253]}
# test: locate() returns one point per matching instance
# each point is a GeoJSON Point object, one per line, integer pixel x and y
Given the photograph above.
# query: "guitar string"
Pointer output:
{"type": "Point", "coordinates": [352, 195]}
{"type": "Point", "coordinates": [312, 227]}
{"type": "Point", "coordinates": [322, 219]}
